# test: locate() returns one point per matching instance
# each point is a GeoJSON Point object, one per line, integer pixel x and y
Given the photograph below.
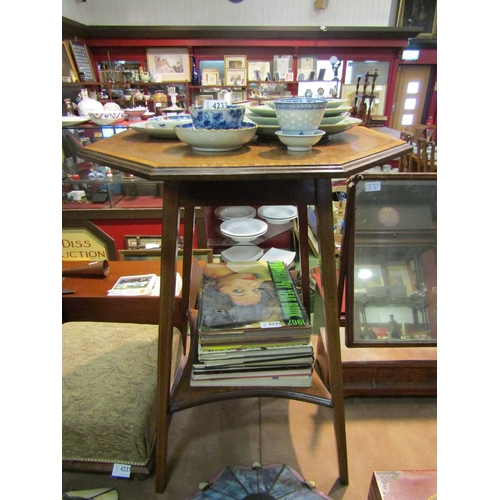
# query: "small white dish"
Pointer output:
{"type": "Point", "coordinates": [169, 122]}
{"type": "Point", "coordinates": [213, 141]}
{"type": "Point", "coordinates": [300, 143]}
{"type": "Point", "coordinates": [242, 252]}
{"type": "Point", "coordinates": [148, 129]}
{"type": "Point", "coordinates": [227, 213]}
{"type": "Point", "coordinates": [243, 227]}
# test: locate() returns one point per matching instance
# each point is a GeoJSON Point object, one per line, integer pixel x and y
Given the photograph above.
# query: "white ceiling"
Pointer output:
{"type": "Point", "coordinates": [369, 13]}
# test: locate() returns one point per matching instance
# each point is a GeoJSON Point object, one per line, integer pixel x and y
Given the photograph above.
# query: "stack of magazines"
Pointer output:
{"type": "Point", "coordinates": [253, 329]}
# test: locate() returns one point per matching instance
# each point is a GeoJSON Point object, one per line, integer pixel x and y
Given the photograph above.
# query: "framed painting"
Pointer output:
{"type": "Point", "coordinates": [199, 98]}
{"type": "Point", "coordinates": [171, 64]}
{"type": "Point", "coordinates": [209, 76]}
{"type": "Point", "coordinates": [258, 70]}
{"type": "Point", "coordinates": [418, 13]}
{"type": "Point", "coordinates": [235, 77]}
{"type": "Point", "coordinates": [305, 65]}
{"type": "Point", "coordinates": [235, 70]}
{"type": "Point", "coordinates": [282, 65]}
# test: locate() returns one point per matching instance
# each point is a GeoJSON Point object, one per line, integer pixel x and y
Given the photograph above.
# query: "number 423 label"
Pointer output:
{"type": "Point", "coordinates": [214, 104]}
{"type": "Point", "coordinates": [121, 470]}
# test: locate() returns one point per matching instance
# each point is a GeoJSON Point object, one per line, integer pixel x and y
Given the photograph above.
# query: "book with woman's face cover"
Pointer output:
{"type": "Point", "coordinates": [249, 302]}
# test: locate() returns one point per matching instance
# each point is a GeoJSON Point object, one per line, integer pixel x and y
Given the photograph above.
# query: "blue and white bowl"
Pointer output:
{"type": "Point", "coordinates": [227, 118]}
{"type": "Point", "coordinates": [300, 116]}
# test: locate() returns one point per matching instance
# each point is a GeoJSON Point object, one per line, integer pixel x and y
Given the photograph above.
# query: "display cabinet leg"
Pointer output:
{"type": "Point", "coordinates": [165, 333]}
{"type": "Point", "coordinates": [326, 243]}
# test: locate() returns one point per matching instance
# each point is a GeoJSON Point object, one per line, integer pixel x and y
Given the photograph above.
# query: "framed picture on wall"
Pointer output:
{"type": "Point", "coordinates": [258, 70]}
{"type": "Point", "coordinates": [282, 65]}
{"type": "Point", "coordinates": [209, 76]}
{"type": "Point", "coordinates": [172, 65]}
{"type": "Point", "coordinates": [235, 70]}
{"type": "Point", "coordinates": [306, 64]}
{"type": "Point", "coordinates": [418, 13]}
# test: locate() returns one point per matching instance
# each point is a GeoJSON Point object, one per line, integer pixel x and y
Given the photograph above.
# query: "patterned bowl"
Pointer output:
{"type": "Point", "coordinates": [134, 114]}
{"type": "Point", "coordinates": [168, 122]}
{"type": "Point", "coordinates": [300, 116]}
{"type": "Point", "coordinates": [228, 118]}
{"type": "Point", "coordinates": [108, 117]}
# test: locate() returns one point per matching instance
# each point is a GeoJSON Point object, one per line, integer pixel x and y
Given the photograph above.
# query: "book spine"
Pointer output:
{"type": "Point", "coordinates": [291, 305]}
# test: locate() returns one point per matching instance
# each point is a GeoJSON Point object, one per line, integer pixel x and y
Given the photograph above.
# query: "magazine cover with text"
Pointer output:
{"type": "Point", "coordinates": [250, 298]}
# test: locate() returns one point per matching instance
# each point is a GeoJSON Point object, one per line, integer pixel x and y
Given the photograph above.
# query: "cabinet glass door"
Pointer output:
{"type": "Point", "coordinates": [391, 264]}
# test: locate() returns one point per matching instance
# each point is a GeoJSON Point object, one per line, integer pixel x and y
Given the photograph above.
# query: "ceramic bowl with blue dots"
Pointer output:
{"type": "Point", "coordinates": [300, 116]}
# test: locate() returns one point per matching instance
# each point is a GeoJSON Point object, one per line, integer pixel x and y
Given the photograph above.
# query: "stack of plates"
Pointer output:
{"type": "Point", "coordinates": [227, 213]}
{"type": "Point", "coordinates": [278, 214]}
{"type": "Point", "coordinates": [243, 229]}
{"type": "Point", "coordinates": [242, 252]}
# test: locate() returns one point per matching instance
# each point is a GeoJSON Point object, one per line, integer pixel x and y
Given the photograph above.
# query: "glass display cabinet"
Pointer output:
{"type": "Point", "coordinates": [391, 279]}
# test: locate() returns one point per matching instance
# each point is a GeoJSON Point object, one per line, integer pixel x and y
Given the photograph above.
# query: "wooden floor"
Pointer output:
{"type": "Point", "coordinates": [382, 434]}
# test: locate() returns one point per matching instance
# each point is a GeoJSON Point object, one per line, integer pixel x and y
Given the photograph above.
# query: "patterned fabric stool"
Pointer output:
{"type": "Point", "coordinates": [109, 394]}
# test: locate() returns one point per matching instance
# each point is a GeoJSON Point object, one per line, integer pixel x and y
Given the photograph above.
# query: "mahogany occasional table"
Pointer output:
{"type": "Point", "coordinates": [258, 173]}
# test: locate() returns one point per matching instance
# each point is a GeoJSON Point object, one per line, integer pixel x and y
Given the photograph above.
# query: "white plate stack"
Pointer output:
{"type": "Point", "coordinates": [278, 214]}
{"type": "Point", "coordinates": [243, 229]}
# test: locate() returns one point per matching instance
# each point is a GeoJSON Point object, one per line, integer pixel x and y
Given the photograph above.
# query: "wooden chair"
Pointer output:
{"type": "Point", "coordinates": [426, 155]}
{"type": "Point", "coordinates": [405, 161]}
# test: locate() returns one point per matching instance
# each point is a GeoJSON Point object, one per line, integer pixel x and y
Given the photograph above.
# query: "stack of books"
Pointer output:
{"type": "Point", "coordinates": [253, 329]}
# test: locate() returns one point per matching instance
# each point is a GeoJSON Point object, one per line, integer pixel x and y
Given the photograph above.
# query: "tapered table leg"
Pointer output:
{"type": "Point", "coordinates": [326, 242]}
{"type": "Point", "coordinates": [169, 244]}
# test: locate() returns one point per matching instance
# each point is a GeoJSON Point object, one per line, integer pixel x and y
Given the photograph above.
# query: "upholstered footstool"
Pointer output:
{"type": "Point", "coordinates": [109, 394]}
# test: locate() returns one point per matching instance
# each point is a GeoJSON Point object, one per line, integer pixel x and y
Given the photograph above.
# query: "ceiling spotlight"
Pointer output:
{"type": "Point", "coordinates": [323, 28]}
{"type": "Point", "coordinates": [236, 1]}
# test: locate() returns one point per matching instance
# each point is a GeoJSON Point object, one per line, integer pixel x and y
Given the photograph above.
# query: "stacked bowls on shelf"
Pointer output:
{"type": "Point", "coordinates": [216, 129]}
{"type": "Point", "coordinates": [243, 229]}
{"type": "Point", "coordinates": [336, 119]}
{"type": "Point", "coordinates": [278, 214]}
{"type": "Point", "coordinates": [238, 224]}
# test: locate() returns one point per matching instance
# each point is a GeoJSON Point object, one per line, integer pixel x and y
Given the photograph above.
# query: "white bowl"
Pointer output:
{"type": "Point", "coordinates": [86, 105]}
{"type": "Point", "coordinates": [300, 116]}
{"type": "Point", "coordinates": [300, 142]}
{"type": "Point", "coordinates": [227, 213]}
{"type": "Point", "coordinates": [106, 117]}
{"type": "Point", "coordinates": [112, 106]}
{"type": "Point", "coordinates": [243, 227]}
{"type": "Point", "coordinates": [228, 118]}
{"type": "Point", "coordinates": [215, 140]}
{"type": "Point", "coordinates": [278, 211]}
{"type": "Point", "coordinates": [168, 122]}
